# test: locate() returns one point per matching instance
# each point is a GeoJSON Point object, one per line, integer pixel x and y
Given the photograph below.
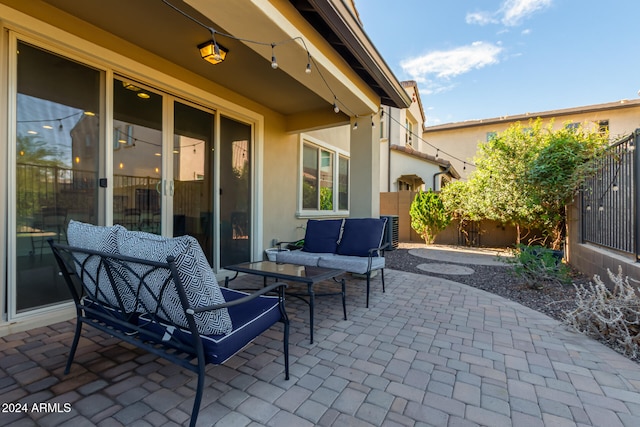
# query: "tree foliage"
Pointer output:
{"type": "Point", "coordinates": [525, 176]}
{"type": "Point", "coordinates": [428, 215]}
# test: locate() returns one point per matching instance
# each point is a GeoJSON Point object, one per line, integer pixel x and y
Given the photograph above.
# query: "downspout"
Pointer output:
{"type": "Point", "coordinates": [389, 150]}
{"type": "Point", "coordinates": [435, 175]}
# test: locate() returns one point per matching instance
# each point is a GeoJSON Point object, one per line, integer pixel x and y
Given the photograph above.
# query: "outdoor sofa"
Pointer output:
{"type": "Point", "coordinates": [160, 294]}
{"type": "Point", "coordinates": [351, 244]}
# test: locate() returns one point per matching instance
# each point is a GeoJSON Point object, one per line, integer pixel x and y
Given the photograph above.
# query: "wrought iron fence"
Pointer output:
{"type": "Point", "coordinates": [609, 199]}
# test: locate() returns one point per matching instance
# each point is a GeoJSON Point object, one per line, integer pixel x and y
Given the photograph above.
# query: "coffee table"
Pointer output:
{"type": "Point", "coordinates": [294, 273]}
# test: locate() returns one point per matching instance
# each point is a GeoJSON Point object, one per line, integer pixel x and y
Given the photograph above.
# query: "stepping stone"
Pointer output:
{"type": "Point", "coordinates": [445, 269]}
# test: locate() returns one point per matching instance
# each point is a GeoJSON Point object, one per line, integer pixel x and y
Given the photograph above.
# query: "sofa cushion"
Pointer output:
{"type": "Point", "coordinates": [103, 239]}
{"type": "Point", "coordinates": [200, 284]}
{"type": "Point", "coordinates": [322, 236]}
{"type": "Point", "coordinates": [352, 264]}
{"type": "Point", "coordinates": [249, 320]}
{"type": "Point", "coordinates": [299, 257]}
{"type": "Point", "coordinates": [360, 235]}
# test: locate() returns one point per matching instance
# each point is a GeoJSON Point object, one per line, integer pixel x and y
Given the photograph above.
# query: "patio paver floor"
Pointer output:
{"type": "Point", "coordinates": [427, 352]}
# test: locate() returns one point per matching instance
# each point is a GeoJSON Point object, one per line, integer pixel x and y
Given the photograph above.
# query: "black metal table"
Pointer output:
{"type": "Point", "coordinates": [294, 273]}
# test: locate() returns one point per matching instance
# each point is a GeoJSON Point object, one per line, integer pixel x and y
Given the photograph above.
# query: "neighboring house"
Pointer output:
{"type": "Point", "coordinates": [407, 161]}
{"type": "Point", "coordinates": [111, 115]}
{"type": "Point", "coordinates": [461, 139]}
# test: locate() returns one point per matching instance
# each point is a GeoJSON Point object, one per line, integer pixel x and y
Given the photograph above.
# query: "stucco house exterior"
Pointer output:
{"type": "Point", "coordinates": [110, 115]}
{"type": "Point", "coordinates": [407, 161]}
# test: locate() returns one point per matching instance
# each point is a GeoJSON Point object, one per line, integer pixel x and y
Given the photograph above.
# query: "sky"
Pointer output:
{"type": "Point", "coordinates": [477, 59]}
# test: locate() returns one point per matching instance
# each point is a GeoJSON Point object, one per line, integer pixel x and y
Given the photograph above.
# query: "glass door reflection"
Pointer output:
{"type": "Point", "coordinates": [137, 157]}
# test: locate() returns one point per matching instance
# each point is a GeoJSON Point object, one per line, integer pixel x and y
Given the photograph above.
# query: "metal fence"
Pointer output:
{"type": "Point", "coordinates": [609, 199]}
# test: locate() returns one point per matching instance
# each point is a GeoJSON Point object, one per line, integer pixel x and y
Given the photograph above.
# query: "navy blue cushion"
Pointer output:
{"type": "Point", "coordinates": [361, 234]}
{"type": "Point", "coordinates": [322, 236]}
{"type": "Point", "coordinates": [249, 320]}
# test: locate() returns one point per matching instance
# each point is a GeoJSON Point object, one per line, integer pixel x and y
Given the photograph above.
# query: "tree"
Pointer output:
{"type": "Point", "coordinates": [428, 215]}
{"type": "Point", "coordinates": [526, 175]}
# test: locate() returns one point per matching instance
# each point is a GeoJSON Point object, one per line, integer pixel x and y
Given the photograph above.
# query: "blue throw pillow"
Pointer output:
{"type": "Point", "coordinates": [360, 235]}
{"type": "Point", "coordinates": [322, 236]}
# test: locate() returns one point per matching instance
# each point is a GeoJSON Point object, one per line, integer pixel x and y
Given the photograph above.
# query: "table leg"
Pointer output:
{"type": "Point", "coordinates": [344, 298]}
{"type": "Point", "coordinates": [312, 299]}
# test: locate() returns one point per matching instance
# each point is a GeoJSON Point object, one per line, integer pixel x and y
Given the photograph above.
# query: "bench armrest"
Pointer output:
{"type": "Point", "coordinates": [381, 249]}
{"type": "Point", "coordinates": [280, 286]}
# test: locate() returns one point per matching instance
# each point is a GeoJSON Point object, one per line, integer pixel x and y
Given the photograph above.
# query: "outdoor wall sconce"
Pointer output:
{"type": "Point", "coordinates": [213, 52]}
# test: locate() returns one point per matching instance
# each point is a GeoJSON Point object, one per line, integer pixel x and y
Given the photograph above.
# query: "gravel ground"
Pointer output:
{"type": "Point", "coordinates": [500, 280]}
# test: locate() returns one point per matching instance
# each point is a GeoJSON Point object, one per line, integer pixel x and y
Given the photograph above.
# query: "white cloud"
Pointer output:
{"type": "Point", "coordinates": [480, 18]}
{"type": "Point", "coordinates": [511, 13]}
{"type": "Point", "coordinates": [515, 11]}
{"type": "Point", "coordinates": [444, 64]}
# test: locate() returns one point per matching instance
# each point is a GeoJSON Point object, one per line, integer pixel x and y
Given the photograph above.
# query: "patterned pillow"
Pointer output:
{"type": "Point", "coordinates": [104, 239]}
{"type": "Point", "coordinates": [194, 272]}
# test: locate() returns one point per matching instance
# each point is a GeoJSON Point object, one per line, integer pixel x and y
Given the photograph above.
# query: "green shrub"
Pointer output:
{"type": "Point", "coordinates": [539, 266]}
{"type": "Point", "coordinates": [428, 215]}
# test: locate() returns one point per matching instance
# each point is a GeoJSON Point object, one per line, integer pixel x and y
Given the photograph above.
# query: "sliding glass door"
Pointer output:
{"type": "Point", "coordinates": [57, 136]}
{"type": "Point", "coordinates": [175, 168]}
{"type": "Point", "coordinates": [193, 183]}
{"type": "Point", "coordinates": [137, 157]}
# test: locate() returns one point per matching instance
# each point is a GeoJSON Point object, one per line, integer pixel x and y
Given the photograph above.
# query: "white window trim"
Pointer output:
{"type": "Point", "coordinates": [337, 153]}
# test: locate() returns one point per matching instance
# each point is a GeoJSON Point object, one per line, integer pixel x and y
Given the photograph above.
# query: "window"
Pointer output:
{"type": "Point", "coordinates": [491, 135]}
{"type": "Point", "coordinates": [572, 126]}
{"type": "Point", "coordinates": [409, 132]}
{"type": "Point", "coordinates": [325, 179]}
{"type": "Point", "coordinates": [603, 127]}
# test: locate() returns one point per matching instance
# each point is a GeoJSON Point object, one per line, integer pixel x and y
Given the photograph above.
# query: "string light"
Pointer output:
{"type": "Point", "coordinates": [464, 162]}
{"type": "Point", "coordinates": [273, 45]}
{"type": "Point", "coordinates": [274, 63]}
{"type": "Point", "coordinates": [308, 69]}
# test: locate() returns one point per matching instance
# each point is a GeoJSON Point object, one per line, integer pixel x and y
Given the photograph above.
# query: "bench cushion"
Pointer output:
{"type": "Point", "coordinates": [300, 257]}
{"type": "Point", "coordinates": [360, 235]}
{"type": "Point", "coordinates": [322, 236]}
{"type": "Point", "coordinates": [200, 284]}
{"type": "Point", "coordinates": [352, 264]}
{"type": "Point", "coordinates": [104, 239]}
{"type": "Point", "coordinates": [249, 320]}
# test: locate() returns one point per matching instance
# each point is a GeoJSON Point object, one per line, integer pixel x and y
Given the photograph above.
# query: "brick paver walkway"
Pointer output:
{"type": "Point", "coordinates": [427, 352]}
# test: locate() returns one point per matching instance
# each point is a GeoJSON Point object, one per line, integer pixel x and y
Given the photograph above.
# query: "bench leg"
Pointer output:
{"type": "Point", "coordinates": [198, 398]}
{"type": "Point", "coordinates": [74, 346]}
{"type": "Point", "coordinates": [382, 277]}
{"type": "Point", "coordinates": [344, 298]}
{"type": "Point", "coordinates": [368, 285]}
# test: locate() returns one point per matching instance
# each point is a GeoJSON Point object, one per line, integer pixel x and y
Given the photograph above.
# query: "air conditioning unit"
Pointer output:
{"type": "Point", "coordinates": [391, 232]}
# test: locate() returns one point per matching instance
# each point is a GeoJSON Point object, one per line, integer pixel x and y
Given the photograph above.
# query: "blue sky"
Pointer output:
{"type": "Point", "coordinates": [489, 58]}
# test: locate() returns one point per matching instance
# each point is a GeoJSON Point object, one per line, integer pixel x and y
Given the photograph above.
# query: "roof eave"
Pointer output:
{"type": "Point", "coordinates": [347, 28]}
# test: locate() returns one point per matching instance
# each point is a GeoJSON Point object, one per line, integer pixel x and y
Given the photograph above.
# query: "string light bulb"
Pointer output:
{"type": "Point", "coordinates": [274, 63]}
{"type": "Point", "coordinates": [601, 208]}
{"type": "Point", "coordinates": [308, 69]}
{"type": "Point", "coordinates": [588, 208]}
{"type": "Point", "coordinates": [614, 187]}
{"type": "Point", "coordinates": [355, 124]}
{"type": "Point", "coordinates": [335, 107]}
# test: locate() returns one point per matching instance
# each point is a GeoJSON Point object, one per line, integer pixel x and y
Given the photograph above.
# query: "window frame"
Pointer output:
{"type": "Point", "coordinates": [337, 156]}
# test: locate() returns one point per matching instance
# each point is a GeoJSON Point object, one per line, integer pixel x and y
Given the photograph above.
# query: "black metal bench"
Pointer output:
{"type": "Point", "coordinates": [131, 299]}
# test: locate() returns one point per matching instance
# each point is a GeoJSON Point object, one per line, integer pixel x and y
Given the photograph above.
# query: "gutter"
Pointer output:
{"type": "Point", "coordinates": [435, 175]}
